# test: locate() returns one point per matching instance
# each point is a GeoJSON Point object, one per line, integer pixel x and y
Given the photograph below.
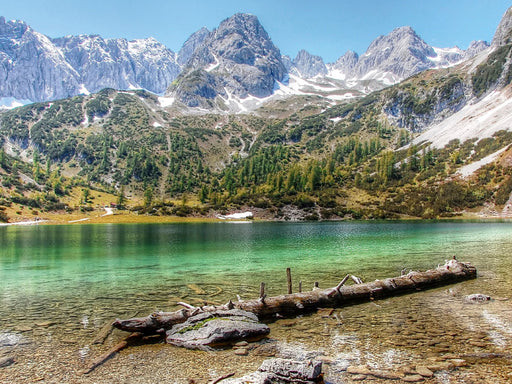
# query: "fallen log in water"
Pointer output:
{"type": "Point", "coordinates": [286, 305]}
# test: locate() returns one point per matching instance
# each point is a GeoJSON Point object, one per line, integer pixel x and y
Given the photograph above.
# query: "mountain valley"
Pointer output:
{"type": "Point", "coordinates": [228, 123]}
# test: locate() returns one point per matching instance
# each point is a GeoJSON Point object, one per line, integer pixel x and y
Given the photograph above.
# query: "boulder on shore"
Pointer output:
{"type": "Point", "coordinates": [209, 329]}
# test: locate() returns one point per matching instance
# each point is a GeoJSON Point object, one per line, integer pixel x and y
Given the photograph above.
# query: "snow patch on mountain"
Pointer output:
{"type": "Point", "coordinates": [166, 101]}
{"type": "Point", "coordinates": [469, 169]}
{"type": "Point", "coordinates": [480, 119]}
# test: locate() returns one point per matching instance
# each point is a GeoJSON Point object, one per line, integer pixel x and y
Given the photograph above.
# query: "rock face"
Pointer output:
{"type": "Point", "coordinates": [308, 65]}
{"type": "Point", "coordinates": [36, 68]}
{"type": "Point", "coordinates": [238, 58]}
{"type": "Point", "coordinates": [346, 63]}
{"type": "Point", "coordinates": [234, 62]}
{"type": "Point", "coordinates": [31, 67]}
{"type": "Point", "coordinates": [475, 48]}
{"type": "Point", "coordinates": [216, 328]}
{"type": "Point", "coordinates": [503, 34]}
{"type": "Point", "coordinates": [401, 53]}
{"type": "Point", "coordinates": [190, 46]}
{"type": "Point", "coordinates": [119, 63]}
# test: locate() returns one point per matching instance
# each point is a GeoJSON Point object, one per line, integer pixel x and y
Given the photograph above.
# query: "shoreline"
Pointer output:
{"type": "Point", "coordinates": [127, 217]}
{"type": "Point", "coordinates": [147, 219]}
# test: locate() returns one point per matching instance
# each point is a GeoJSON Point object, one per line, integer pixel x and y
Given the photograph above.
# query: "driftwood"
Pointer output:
{"type": "Point", "coordinates": [287, 305]}
{"type": "Point", "coordinates": [104, 333]}
{"type": "Point", "coordinates": [112, 351]}
{"type": "Point", "coordinates": [223, 378]}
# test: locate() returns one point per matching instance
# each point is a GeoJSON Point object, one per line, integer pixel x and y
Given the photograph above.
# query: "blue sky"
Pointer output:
{"type": "Point", "coordinates": [323, 27]}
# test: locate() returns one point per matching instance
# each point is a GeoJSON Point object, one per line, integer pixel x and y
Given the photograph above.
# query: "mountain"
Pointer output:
{"type": "Point", "coordinates": [237, 59]}
{"type": "Point", "coordinates": [189, 47]}
{"type": "Point", "coordinates": [31, 67]}
{"type": "Point", "coordinates": [234, 68]}
{"type": "Point", "coordinates": [345, 64]}
{"type": "Point", "coordinates": [388, 60]}
{"type": "Point", "coordinates": [307, 65]}
{"type": "Point", "coordinates": [118, 63]}
{"type": "Point", "coordinates": [503, 35]}
{"type": "Point", "coordinates": [38, 68]}
{"type": "Point", "coordinates": [397, 56]}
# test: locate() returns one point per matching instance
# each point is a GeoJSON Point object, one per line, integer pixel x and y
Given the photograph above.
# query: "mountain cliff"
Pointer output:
{"type": "Point", "coordinates": [503, 35]}
{"type": "Point", "coordinates": [31, 67]}
{"type": "Point", "coordinates": [388, 60]}
{"type": "Point", "coordinates": [192, 43]}
{"type": "Point", "coordinates": [37, 68]}
{"type": "Point", "coordinates": [118, 63]}
{"type": "Point", "coordinates": [307, 65]}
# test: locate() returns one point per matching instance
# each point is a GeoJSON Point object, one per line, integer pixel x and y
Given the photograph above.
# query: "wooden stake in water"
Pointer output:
{"type": "Point", "coordinates": [289, 278]}
{"type": "Point", "coordinates": [262, 290]}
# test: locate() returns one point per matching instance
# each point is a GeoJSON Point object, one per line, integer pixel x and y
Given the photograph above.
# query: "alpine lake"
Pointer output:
{"type": "Point", "coordinates": [61, 285]}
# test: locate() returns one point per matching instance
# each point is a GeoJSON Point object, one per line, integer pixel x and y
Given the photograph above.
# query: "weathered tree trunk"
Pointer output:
{"type": "Point", "coordinates": [291, 304]}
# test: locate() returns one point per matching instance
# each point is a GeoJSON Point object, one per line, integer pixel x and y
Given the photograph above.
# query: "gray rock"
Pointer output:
{"type": "Point", "coordinates": [398, 55]}
{"type": "Point", "coordinates": [401, 52]}
{"type": "Point", "coordinates": [347, 62]}
{"type": "Point", "coordinates": [6, 361]}
{"type": "Point", "coordinates": [31, 67]}
{"type": "Point", "coordinates": [8, 339]}
{"type": "Point", "coordinates": [119, 63]}
{"type": "Point", "coordinates": [503, 34]}
{"type": "Point", "coordinates": [475, 48]}
{"type": "Point", "coordinates": [190, 46]}
{"type": "Point", "coordinates": [36, 68]}
{"type": "Point", "coordinates": [283, 371]}
{"type": "Point", "coordinates": [216, 328]}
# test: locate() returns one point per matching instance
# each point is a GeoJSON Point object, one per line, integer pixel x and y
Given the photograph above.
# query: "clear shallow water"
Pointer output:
{"type": "Point", "coordinates": [66, 282]}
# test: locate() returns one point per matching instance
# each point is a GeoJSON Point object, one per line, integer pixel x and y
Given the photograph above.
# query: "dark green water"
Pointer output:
{"type": "Point", "coordinates": [59, 285]}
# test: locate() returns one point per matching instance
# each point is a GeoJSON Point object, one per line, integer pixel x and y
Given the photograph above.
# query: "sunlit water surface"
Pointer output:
{"type": "Point", "coordinates": [64, 283]}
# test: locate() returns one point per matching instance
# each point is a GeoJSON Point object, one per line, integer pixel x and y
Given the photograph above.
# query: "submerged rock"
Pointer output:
{"type": "Point", "coordinates": [10, 339]}
{"type": "Point", "coordinates": [477, 298]}
{"type": "Point", "coordinates": [216, 328]}
{"type": "Point", "coordinates": [6, 361]}
{"type": "Point", "coordinates": [279, 371]}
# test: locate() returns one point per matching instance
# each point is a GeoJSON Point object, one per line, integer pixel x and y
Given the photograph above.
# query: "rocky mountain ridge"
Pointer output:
{"type": "Point", "coordinates": [119, 63]}
{"type": "Point", "coordinates": [38, 68]}
{"type": "Point", "coordinates": [388, 60]}
{"type": "Point", "coordinates": [67, 66]}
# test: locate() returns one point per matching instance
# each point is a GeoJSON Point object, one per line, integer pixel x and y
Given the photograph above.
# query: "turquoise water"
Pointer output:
{"type": "Point", "coordinates": [109, 264]}
{"type": "Point", "coordinates": [59, 285]}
